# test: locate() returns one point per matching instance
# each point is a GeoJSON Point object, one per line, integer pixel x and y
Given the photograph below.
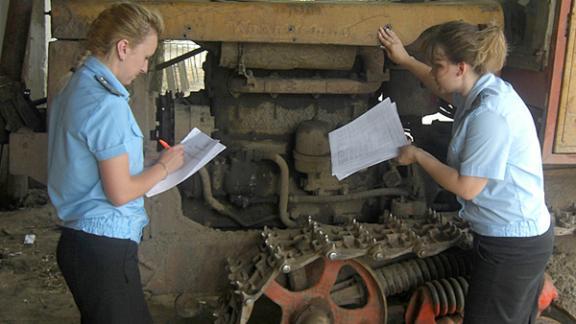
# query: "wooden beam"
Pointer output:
{"type": "Point", "coordinates": [293, 22]}
{"type": "Point", "coordinates": [15, 38]}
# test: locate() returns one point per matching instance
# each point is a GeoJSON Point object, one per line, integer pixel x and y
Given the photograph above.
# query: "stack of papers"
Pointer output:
{"type": "Point", "coordinates": [199, 149]}
{"type": "Point", "coordinates": [373, 137]}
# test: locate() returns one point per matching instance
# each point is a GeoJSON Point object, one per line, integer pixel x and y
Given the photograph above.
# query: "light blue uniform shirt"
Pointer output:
{"type": "Point", "coordinates": [494, 137]}
{"type": "Point", "coordinates": [91, 121]}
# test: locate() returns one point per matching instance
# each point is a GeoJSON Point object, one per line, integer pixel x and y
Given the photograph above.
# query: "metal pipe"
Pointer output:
{"type": "Point", "coordinates": [284, 189]}
{"type": "Point", "coordinates": [353, 196]}
{"type": "Point", "coordinates": [213, 202]}
{"type": "Point", "coordinates": [178, 59]}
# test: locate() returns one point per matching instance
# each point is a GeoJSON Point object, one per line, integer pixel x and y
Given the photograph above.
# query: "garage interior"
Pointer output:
{"type": "Point", "coordinates": [268, 212]}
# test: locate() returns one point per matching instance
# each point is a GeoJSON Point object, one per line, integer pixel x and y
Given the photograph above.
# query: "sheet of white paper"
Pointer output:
{"type": "Point", "coordinates": [199, 149]}
{"type": "Point", "coordinates": [373, 137]}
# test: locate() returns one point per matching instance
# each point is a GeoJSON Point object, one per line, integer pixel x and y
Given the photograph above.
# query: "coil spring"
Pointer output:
{"type": "Point", "coordinates": [408, 275]}
{"type": "Point", "coordinates": [448, 295]}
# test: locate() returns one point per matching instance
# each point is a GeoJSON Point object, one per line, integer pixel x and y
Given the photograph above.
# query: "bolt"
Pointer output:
{"type": "Point", "coordinates": [332, 256]}
{"type": "Point", "coordinates": [379, 256]}
{"type": "Point", "coordinates": [286, 268]}
{"type": "Point", "coordinates": [248, 301]}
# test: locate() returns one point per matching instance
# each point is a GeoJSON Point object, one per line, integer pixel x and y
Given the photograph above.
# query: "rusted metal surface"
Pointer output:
{"type": "Point", "coordinates": [437, 298]}
{"type": "Point", "coordinates": [28, 155]}
{"type": "Point", "coordinates": [313, 258]}
{"type": "Point", "coordinates": [315, 303]}
{"type": "Point", "coordinates": [298, 22]}
{"type": "Point", "coordinates": [303, 86]}
{"type": "Point", "coordinates": [287, 56]}
{"type": "Point", "coordinates": [373, 60]}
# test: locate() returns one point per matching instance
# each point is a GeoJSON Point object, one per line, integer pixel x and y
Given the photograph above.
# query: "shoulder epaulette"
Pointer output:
{"type": "Point", "coordinates": [107, 85]}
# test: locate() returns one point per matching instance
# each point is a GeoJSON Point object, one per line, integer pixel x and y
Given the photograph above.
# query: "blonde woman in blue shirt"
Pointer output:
{"type": "Point", "coordinates": [493, 167]}
{"type": "Point", "coordinates": [96, 178]}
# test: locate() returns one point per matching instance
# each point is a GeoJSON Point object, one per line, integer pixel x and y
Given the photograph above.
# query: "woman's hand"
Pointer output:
{"type": "Point", "coordinates": [393, 45]}
{"type": "Point", "coordinates": [407, 155]}
{"type": "Point", "coordinates": [172, 158]}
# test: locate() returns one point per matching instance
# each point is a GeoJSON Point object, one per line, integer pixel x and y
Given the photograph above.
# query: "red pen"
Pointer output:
{"type": "Point", "coordinates": [164, 144]}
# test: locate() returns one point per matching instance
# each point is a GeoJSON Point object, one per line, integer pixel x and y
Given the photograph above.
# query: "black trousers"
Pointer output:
{"type": "Point", "coordinates": [103, 276]}
{"type": "Point", "coordinates": [507, 277]}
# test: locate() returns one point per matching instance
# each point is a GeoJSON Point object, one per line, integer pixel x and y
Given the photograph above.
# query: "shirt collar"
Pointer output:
{"type": "Point", "coordinates": [101, 70]}
{"type": "Point", "coordinates": [482, 83]}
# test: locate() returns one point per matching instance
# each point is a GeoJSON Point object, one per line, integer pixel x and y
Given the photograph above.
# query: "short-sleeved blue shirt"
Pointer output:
{"type": "Point", "coordinates": [91, 121]}
{"type": "Point", "coordinates": [494, 137]}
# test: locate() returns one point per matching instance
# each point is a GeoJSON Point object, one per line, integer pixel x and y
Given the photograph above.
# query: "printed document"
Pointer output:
{"type": "Point", "coordinates": [199, 149]}
{"type": "Point", "coordinates": [373, 137]}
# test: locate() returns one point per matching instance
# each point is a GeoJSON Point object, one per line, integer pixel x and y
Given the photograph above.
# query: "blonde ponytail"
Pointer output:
{"type": "Point", "coordinates": [484, 48]}
{"type": "Point", "coordinates": [492, 49]}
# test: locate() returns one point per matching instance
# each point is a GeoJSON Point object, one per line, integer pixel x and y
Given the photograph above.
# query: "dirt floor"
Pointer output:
{"type": "Point", "coordinates": [32, 289]}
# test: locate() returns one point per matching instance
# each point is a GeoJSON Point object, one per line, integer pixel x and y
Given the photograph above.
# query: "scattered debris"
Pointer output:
{"type": "Point", "coordinates": [29, 239]}
{"type": "Point", "coordinates": [565, 221]}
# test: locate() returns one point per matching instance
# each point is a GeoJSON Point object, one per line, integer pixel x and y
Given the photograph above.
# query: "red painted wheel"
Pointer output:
{"type": "Point", "coordinates": [326, 296]}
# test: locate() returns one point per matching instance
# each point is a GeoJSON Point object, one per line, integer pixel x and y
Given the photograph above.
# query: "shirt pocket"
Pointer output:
{"type": "Point", "coordinates": [135, 149]}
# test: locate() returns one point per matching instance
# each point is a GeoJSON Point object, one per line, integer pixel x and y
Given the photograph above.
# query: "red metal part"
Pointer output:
{"type": "Point", "coordinates": [424, 306]}
{"type": "Point", "coordinates": [421, 308]}
{"type": "Point", "coordinates": [548, 294]}
{"type": "Point", "coordinates": [293, 303]}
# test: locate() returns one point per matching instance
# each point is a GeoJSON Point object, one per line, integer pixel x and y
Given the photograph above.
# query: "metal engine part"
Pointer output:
{"type": "Point", "coordinates": [336, 273]}
{"type": "Point", "coordinates": [444, 297]}
{"type": "Point", "coordinates": [312, 157]}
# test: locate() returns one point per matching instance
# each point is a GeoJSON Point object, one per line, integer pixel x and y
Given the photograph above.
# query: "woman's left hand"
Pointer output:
{"type": "Point", "coordinates": [407, 154]}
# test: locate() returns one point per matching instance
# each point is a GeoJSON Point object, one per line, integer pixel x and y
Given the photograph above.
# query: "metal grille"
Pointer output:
{"type": "Point", "coordinates": [187, 75]}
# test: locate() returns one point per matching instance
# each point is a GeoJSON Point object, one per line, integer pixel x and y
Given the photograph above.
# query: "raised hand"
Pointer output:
{"type": "Point", "coordinates": [393, 45]}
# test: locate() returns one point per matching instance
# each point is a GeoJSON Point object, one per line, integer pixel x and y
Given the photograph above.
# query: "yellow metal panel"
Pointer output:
{"type": "Point", "coordinates": [294, 22]}
{"type": "Point", "coordinates": [566, 129]}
